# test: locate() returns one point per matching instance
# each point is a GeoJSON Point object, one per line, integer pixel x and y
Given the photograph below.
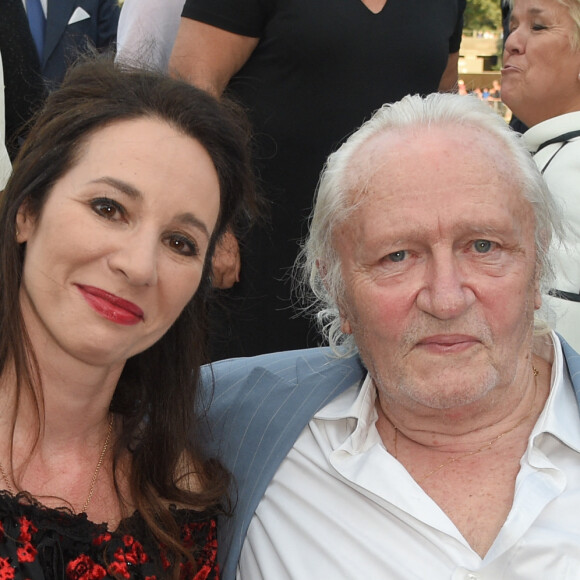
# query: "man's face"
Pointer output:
{"type": "Point", "coordinates": [439, 266]}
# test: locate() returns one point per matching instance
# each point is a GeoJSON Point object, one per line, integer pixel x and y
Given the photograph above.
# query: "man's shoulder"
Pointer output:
{"type": "Point", "coordinates": [279, 377]}
{"type": "Point", "coordinates": [287, 365]}
{"type": "Point", "coordinates": [573, 361]}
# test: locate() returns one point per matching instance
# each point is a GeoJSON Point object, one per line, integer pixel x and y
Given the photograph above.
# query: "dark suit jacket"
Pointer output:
{"type": "Point", "coordinates": [63, 42]}
{"type": "Point", "coordinates": [260, 406]}
{"type": "Point", "coordinates": [24, 88]}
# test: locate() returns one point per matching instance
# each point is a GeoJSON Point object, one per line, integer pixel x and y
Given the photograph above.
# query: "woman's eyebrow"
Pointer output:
{"type": "Point", "coordinates": [123, 186]}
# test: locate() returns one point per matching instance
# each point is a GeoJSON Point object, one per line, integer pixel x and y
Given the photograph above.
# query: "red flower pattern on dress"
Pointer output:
{"type": "Point", "coordinates": [120, 569]}
{"type": "Point", "coordinates": [83, 568]}
{"type": "Point", "coordinates": [26, 553]}
{"type": "Point", "coordinates": [99, 554]}
{"type": "Point", "coordinates": [207, 556]}
{"type": "Point", "coordinates": [132, 555]}
{"type": "Point", "coordinates": [135, 553]}
{"type": "Point", "coordinates": [164, 559]}
{"type": "Point", "coordinates": [6, 569]}
{"type": "Point", "coordinates": [101, 539]}
{"type": "Point", "coordinates": [204, 572]}
{"type": "Point", "coordinates": [27, 528]}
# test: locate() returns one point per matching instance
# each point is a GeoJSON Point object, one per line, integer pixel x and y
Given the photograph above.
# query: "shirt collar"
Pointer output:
{"type": "Point", "coordinates": [549, 129]}
{"type": "Point", "coordinates": [560, 416]}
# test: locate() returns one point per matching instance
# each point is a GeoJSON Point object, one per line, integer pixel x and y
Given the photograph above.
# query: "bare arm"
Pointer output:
{"type": "Point", "coordinates": [448, 82]}
{"type": "Point", "coordinates": [207, 56]}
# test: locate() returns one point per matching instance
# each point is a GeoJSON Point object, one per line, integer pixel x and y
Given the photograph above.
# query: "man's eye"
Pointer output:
{"type": "Point", "coordinates": [482, 246]}
{"type": "Point", "coordinates": [397, 256]}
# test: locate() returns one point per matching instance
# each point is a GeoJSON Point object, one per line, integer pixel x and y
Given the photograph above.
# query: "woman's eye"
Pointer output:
{"type": "Point", "coordinates": [397, 256]}
{"type": "Point", "coordinates": [107, 208]}
{"type": "Point", "coordinates": [538, 27]}
{"type": "Point", "coordinates": [482, 246]}
{"type": "Point", "coordinates": [182, 245]}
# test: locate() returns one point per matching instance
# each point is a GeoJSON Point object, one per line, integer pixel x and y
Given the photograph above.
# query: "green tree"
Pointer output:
{"type": "Point", "coordinates": [482, 15]}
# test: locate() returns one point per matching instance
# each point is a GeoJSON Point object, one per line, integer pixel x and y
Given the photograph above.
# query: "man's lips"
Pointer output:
{"type": "Point", "coordinates": [448, 342]}
{"type": "Point", "coordinates": [111, 306]}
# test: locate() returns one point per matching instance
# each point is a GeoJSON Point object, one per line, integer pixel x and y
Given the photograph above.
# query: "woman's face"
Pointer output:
{"type": "Point", "coordinates": [540, 67]}
{"type": "Point", "coordinates": [118, 249]}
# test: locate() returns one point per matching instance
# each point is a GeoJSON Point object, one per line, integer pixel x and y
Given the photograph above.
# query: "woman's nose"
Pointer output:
{"type": "Point", "coordinates": [136, 259]}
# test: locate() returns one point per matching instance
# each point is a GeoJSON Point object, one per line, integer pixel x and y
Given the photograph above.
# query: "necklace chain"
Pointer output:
{"type": "Point", "coordinates": [10, 488]}
{"type": "Point", "coordinates": [482, 448]}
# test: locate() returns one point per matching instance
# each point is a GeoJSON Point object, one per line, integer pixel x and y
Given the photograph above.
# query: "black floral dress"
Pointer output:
{"type": "Point", "coordinates": [39, 543]}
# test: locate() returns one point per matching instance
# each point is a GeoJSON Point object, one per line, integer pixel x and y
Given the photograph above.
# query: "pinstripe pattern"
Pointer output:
{"type": "Point", "coordinates": [260, 406]}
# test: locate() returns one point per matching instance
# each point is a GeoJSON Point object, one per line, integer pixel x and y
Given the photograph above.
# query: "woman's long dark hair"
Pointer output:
{"type": "Point", "coordinates": [157, 392]}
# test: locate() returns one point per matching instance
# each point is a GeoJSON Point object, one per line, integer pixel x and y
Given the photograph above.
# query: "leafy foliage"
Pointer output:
{"type": "Point", "coordinates": [482, 15]}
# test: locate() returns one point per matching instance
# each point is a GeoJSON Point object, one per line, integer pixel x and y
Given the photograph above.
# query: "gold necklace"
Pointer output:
{"type": "Point", "coordinates": [10, 488]}
{"type": "Point", "coordinates": [484, 447]}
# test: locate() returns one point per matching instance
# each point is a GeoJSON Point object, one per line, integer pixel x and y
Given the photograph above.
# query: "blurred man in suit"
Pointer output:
{"type": "Point", "coordinates": [38, 40]}
{"type": "Point", "coordinates": [63, 29]}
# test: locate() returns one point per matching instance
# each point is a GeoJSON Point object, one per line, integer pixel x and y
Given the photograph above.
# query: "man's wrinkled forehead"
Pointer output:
{"type": "Point", "coordinates": [381, 153]}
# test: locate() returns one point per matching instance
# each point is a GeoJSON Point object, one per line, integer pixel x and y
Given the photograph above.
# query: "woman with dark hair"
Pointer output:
{"type": "Point", "coordinates": [107, 227]}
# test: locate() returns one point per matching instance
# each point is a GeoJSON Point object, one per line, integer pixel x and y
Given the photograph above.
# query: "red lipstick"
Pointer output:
{"type": "Point", "coordinates": [111, 307]}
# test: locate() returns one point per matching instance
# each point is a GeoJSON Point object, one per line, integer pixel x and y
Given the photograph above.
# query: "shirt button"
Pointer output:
{"type": "Point", "coordinates": [472, 577]}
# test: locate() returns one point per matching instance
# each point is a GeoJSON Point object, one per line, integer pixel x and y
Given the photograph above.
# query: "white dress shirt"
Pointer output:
{"type": "Point", "coordinates": [341, 507]}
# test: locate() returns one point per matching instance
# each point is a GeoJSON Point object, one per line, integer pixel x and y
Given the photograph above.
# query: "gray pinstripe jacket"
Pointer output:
{"type": "Point", "coordinates": [260, 405]}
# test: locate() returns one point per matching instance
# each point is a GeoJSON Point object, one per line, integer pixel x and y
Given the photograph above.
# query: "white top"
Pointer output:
{"type": "Point", "coordinates": [341, 507]}
{"type": "Point", "coordinates": [562, 175]}
{"type": "Point", "coordinates": [147, 31]}
{"type": "Point", "coordinates": [5, 166]}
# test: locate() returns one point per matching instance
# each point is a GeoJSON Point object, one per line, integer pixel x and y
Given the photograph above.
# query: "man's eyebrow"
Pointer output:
{"type": "Point", "coordinates": [134, 193]}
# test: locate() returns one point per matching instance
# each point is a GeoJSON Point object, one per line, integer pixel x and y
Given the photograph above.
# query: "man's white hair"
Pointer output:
{"type": "Point", "coordinates": [344, 178]}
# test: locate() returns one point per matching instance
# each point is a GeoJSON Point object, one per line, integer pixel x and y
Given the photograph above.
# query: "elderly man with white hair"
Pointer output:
{"type": "Point", "coordinates": [439, 436]}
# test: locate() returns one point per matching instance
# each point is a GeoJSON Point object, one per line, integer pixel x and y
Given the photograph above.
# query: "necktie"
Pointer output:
{"type": "Point", "coordinates": [37, 23]}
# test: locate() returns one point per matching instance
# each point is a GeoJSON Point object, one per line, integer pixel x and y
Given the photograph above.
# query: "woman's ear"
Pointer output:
{"type": "Point", "coordinates": [24, 224]}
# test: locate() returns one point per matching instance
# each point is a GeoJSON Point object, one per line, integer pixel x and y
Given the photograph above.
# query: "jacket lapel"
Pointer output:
{"type": "Point", "coordinates": [280, 409]}
{"type": "Point", "coordinates": [58, 15]}
{"type": "Point", "coordinates": [573, 362]}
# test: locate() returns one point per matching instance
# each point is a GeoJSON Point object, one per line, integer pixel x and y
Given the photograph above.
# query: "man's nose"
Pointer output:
{"type": "Point", "coordinates": [445, 293]}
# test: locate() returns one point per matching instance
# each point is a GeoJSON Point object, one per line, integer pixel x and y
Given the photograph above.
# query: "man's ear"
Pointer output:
{"type": "Point", "coordinates": [344, 323]}
{"type": "Point", "coordinates": [24, 224]}
{"type": "Point", "coordinates": [537, 292]}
